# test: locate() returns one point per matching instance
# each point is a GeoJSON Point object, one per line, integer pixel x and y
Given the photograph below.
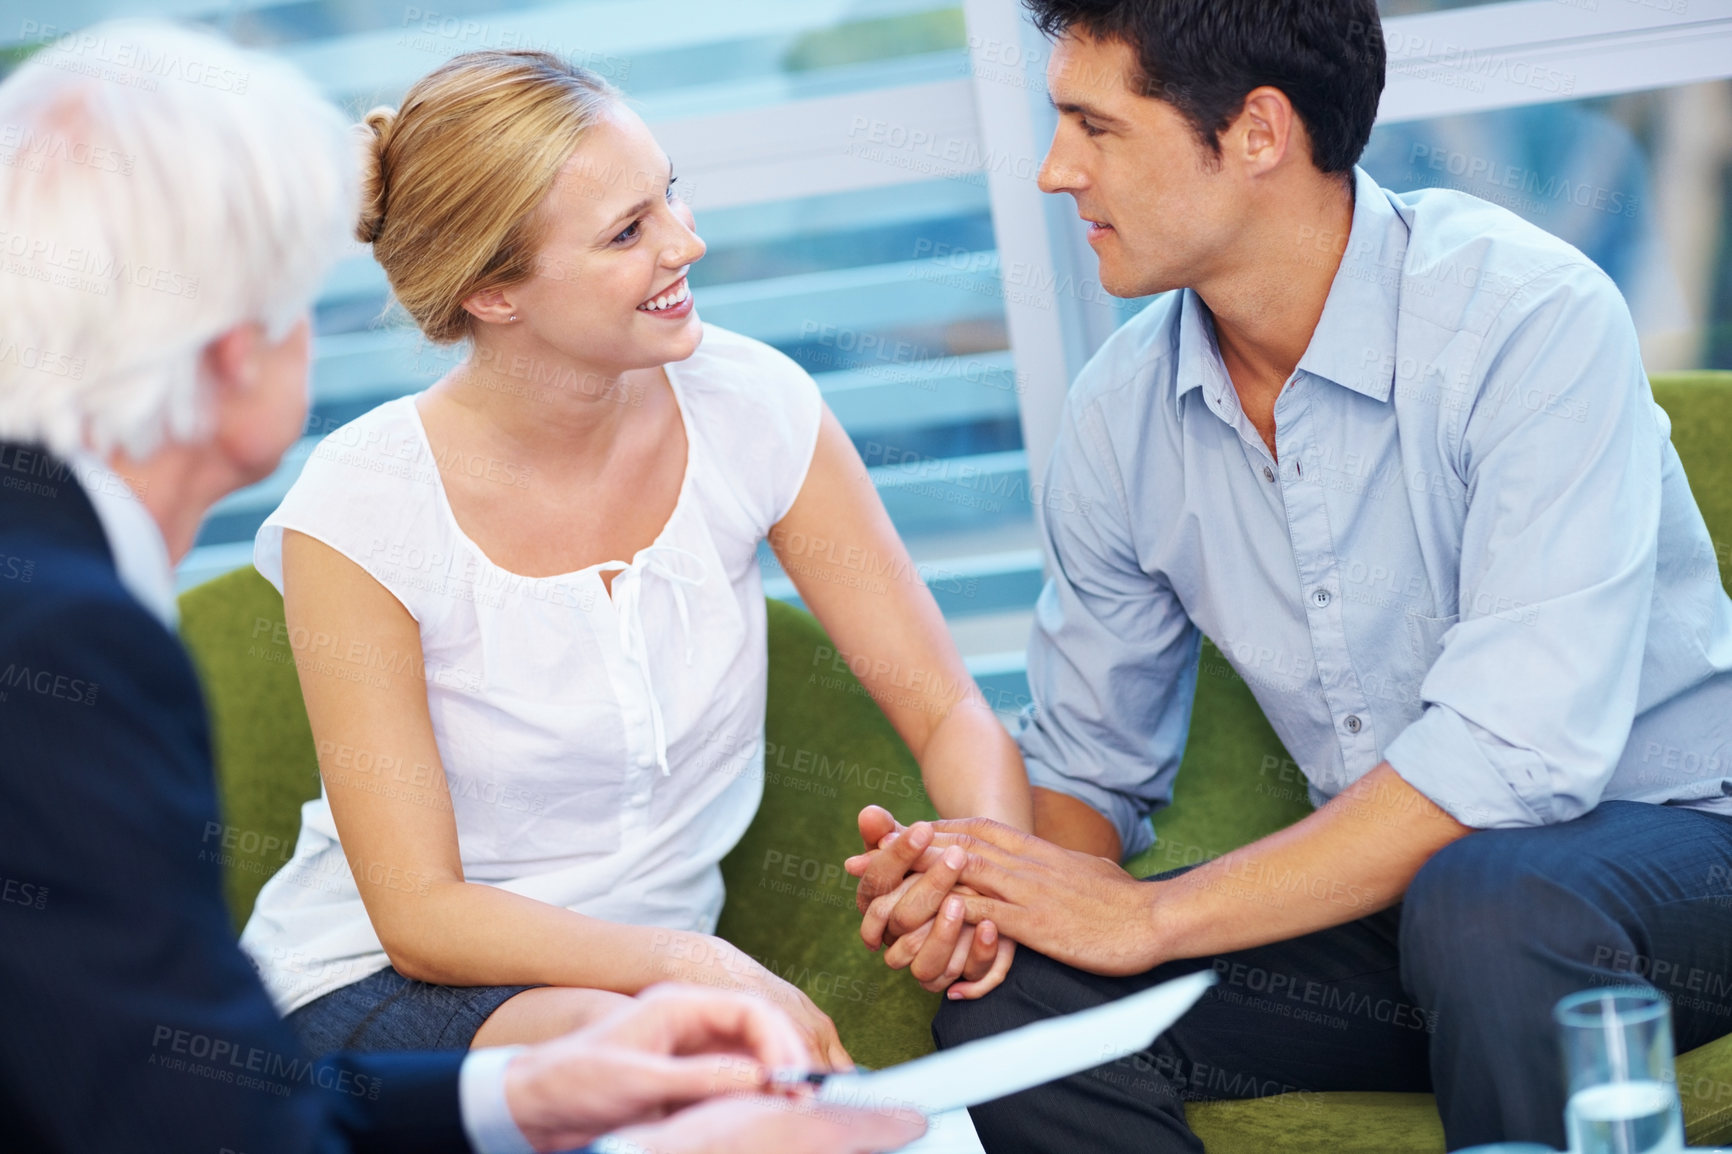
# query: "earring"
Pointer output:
{"type": "Point", "coordinates": [514, 316]}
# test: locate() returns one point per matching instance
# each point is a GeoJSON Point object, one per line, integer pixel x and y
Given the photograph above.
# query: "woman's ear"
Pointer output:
{"type": "Point", "coordinates": [492, 306]}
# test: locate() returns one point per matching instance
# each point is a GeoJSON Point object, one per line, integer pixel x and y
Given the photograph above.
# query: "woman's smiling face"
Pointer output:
{"type": "Point", "coordinates": [609, 288]}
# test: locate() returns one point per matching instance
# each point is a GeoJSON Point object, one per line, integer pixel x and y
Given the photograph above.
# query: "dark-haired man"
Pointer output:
{"type": "Point", "coordinates": [1398, 457]}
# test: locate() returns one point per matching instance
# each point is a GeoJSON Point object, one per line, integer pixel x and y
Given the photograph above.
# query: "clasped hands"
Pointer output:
{"type": "Point", "coordinates": [950, 900]}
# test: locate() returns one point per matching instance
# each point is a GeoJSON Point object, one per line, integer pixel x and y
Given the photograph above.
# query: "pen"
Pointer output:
{"type": "Point", "coordinates": [789, 1077]}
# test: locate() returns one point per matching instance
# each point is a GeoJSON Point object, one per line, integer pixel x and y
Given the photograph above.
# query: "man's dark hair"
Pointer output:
{"type": "Point", "coordinates": [1204, 56]}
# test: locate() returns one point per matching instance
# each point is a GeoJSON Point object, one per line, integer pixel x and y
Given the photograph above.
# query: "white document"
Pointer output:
{"type": "Point", "coordinates": [949, 1133]}
{"type": "Point", "coordinates": [1019, 1059]}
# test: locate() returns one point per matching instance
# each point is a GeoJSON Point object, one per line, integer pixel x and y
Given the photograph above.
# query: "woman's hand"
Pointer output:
{"type": "Point", "coordinates": [949, 954]}
{"type": "Point", "coordinates": [669, 1047]}
{"type": "Point", "coordinates": [943, 950]}
{"type": "Point", "coordinates": [823, 1044]}
{"type": "Point", "coordinates": [709, 961]}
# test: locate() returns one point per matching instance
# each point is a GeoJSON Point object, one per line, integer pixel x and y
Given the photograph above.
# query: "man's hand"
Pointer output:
{"type": "Point", "coordinates": [1074, 907]}
{"type": "Point", "coordinates": [1352, 857]}
{"type": "Point", "coordinates": [943, 950]}
{"type": "Point", "coordinates": [672, 1046]}
{"type": "Point", "coordinates": [784, 1125]}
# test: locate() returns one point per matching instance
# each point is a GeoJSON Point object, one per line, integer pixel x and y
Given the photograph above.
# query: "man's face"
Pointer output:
{"type": "Point", "coordinates": [260, 396]}
{"type": "Point", "coordinates": [1161, 208]}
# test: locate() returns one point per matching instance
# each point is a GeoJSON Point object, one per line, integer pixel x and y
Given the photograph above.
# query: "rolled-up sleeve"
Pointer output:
{"type": "Point", "coordinates": [1529, 704]}
{"type": "Point", "coordinates": [1112, 663]}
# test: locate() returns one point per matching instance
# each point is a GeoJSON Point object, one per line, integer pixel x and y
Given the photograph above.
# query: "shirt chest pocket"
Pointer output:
{"type": "Point", "coordinates": [1425, 637]}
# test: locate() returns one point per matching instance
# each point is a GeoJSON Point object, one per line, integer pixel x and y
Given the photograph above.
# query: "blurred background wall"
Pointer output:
{"type": "Point", "coordinates": [863, 172]}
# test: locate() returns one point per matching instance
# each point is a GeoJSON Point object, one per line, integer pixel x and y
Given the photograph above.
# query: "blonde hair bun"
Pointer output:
{"type": "Point", "coordinates": [463, 167]}
{"type": "Point", "coordinates": [373, 135]}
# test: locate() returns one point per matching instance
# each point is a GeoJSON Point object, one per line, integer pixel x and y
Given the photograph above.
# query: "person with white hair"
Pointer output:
{"type": "Point", "coordinates": [168, 206]}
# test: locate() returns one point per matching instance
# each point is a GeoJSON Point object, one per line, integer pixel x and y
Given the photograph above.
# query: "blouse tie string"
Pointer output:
{"type": "Point", "coordinates": [679, 568]}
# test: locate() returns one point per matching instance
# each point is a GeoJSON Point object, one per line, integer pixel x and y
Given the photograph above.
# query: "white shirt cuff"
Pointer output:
{"type": "Point", "coordinates": [481, 1098]}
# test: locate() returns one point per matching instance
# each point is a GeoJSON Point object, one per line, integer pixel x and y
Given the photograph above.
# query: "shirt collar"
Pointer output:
{"type": "Point", "coordinates": [1199, 355]}
{"type": "Point", "coordinates": [1354, 342]}
{"type": "Point", "coordinates": [140, 554]}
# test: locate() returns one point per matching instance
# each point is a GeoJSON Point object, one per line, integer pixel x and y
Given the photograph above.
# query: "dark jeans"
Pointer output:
{"type": "Point", "coordinates": [1451, 991]}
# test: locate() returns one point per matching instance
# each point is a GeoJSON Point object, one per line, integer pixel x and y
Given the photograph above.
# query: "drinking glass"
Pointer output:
{"type": "Point", "coordinates": [1617, 1045]}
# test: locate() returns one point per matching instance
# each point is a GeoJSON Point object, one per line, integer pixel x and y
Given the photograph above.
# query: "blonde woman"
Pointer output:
{"type": "Point", "coordinates": [533, 627]}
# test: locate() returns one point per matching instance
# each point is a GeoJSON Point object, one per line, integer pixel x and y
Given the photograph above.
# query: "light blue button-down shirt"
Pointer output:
{"type": "Point", "coordinates": [1474, 555]}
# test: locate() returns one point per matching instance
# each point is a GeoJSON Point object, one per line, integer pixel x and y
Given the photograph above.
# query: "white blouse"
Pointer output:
{"type": "Point", "coordinates": [602, 753]}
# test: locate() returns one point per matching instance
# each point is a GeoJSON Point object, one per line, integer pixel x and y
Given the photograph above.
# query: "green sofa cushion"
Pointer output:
{"type": "Point", "coordinates": [1337, 1123]}
{"type": "Point", "coordinates": [265, 762]}
{"type": "Point", "coordinates": [1236, 782]}
{"type": "Point", "coordinates": [829, 751]}
{"type": "Point", "coordinates": [1700, 405]}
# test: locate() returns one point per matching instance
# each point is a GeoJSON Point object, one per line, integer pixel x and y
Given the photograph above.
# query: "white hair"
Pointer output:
{"type": "Point", "coordinates": [158, 187]}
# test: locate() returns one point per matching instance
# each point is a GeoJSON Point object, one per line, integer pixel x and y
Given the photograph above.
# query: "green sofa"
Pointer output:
{"type": "Point", "coordinates": [830, 752]}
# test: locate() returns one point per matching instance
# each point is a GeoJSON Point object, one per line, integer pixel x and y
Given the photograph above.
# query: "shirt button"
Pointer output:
{"type": "Point", "coordinates": [1268, 473]}
{"type": "Point", "coordinates": [1320, 598]}
{"type": "Point", "coordinates": [1353, 724]}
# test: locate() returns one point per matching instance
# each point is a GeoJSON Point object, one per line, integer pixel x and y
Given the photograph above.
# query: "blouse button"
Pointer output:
{"type": "Point", "coordinates": [1268, 473]}
{"type": "Point", "coordinates": [1353, 724]}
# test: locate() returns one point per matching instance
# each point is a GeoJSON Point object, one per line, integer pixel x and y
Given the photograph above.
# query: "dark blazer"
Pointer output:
{"type": "Point", "coordinates": [129, 1018]}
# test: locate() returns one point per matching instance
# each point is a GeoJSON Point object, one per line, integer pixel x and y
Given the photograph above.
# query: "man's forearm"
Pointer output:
{"type": "Point", "coordinates": [1354, 856]}
{"type": "Point", "coordinates": [1063, 820]}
